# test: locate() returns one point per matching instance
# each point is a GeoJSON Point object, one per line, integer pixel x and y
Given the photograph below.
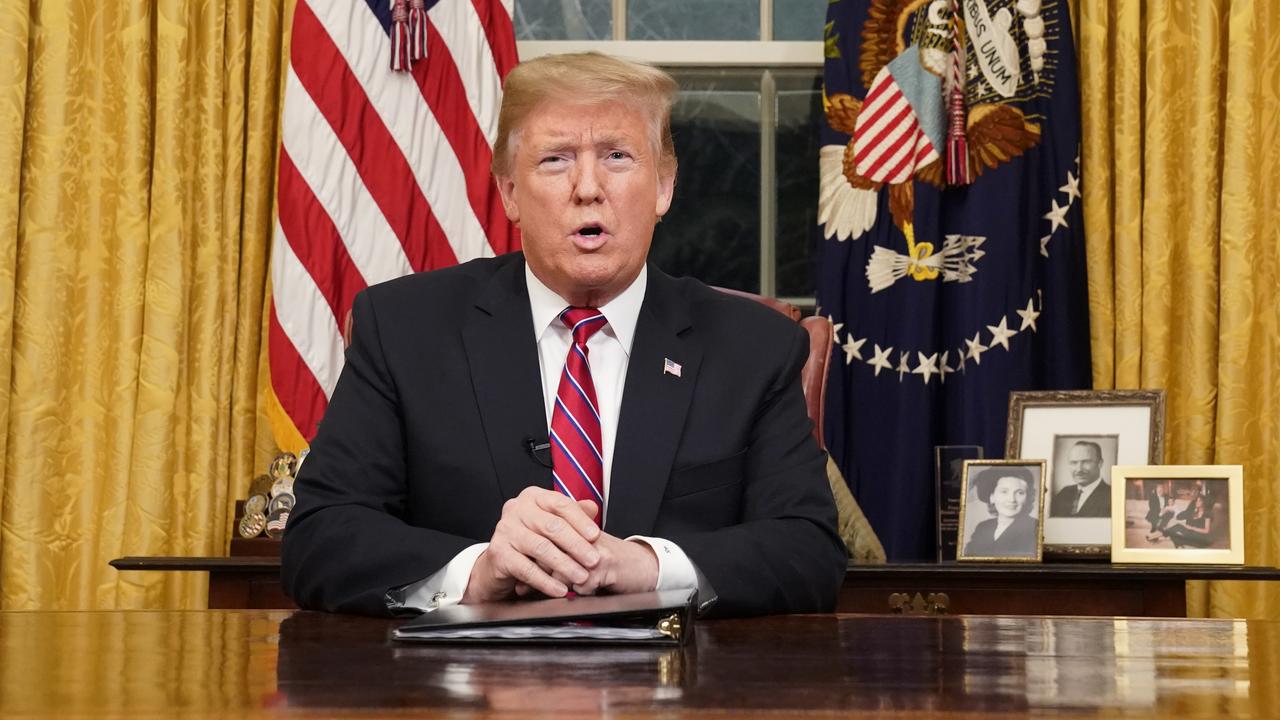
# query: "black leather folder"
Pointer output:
{"type": "Point", "coordinates": [653, 618]}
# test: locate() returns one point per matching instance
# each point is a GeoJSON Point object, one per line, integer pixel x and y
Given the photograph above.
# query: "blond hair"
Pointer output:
{"type": "Point", "coordinates": [589, 78]}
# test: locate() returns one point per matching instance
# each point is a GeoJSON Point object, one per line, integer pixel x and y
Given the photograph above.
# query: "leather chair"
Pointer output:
{"type": "Point", "coordinates": [813, 377]}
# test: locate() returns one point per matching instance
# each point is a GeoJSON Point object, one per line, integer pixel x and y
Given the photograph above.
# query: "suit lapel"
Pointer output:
{"type": "Point", "coordinates": [503, 356]}
{"type": "Point", "coordinates": [654, 405]}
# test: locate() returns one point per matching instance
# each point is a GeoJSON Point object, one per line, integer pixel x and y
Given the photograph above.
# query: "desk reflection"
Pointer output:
{"type": "Point", "coordinates": [263, 664]}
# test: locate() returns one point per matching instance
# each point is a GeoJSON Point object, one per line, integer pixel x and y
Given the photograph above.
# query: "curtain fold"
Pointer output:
{"type": "Point", "coordinates": [146, 135]}
{"type": "Point", "coordinates": [1181, 123]}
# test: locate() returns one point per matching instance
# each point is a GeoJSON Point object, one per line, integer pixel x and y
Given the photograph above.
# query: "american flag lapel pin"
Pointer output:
{"type": "Point", "coordinates": [670, 367]}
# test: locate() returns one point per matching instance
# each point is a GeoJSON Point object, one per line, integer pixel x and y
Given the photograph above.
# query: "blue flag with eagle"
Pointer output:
{"type": "Point", "coordinates": [952, 259]}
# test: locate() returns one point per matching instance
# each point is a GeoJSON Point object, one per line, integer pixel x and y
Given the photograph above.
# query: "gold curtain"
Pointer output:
{"type": "Point", "coordinates": [1181, 125]}
{"type": "Point", "coordinates": [137, 162]}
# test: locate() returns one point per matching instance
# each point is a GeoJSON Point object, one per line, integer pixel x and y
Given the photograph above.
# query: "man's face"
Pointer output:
{"type": "Point", "coordinates": [1084, 463]}
{"type": "Point", "coordinates": [586, 190]}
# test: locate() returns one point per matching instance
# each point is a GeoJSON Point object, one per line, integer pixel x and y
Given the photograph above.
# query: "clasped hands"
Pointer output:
{"type": "Point", "coordinates": [548, 543]}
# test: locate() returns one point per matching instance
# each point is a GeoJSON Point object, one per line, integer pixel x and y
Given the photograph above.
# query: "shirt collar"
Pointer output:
{"type": "Point", "coordinates": [1091, 486]}
{"type": "Point", "coordinates": [622, 312]}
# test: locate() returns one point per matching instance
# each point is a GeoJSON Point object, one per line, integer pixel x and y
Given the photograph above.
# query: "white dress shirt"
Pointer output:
{"type": "Point", "coordinates": [1083, 494]}
{"type": "Point", "coordinates": [609, 350]}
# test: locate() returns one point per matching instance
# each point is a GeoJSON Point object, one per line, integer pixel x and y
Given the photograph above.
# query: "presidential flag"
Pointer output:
{"type": "Point", "coordinates": [390, 113]}
{"type": "Point", "coordinates": [952, 259]}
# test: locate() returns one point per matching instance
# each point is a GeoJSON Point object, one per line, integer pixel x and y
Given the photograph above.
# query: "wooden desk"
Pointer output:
{"type": "Point", "coordinates": [1097, 589]}
{"type": "Point", "coordinates": [213, 664]}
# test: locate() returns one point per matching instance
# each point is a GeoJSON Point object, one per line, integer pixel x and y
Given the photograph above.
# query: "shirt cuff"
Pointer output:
{"type": "Point", "coordinates": [445, 586]}
{"type": "Point", "coordinates": [675, 569]}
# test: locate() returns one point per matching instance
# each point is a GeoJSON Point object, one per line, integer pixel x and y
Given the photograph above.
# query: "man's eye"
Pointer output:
{"type": "Point", "coordinates": [617, 155]}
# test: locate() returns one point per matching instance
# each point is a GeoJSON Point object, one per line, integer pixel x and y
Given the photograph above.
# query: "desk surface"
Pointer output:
{"type": "Point", "coordinates": [270, 663]}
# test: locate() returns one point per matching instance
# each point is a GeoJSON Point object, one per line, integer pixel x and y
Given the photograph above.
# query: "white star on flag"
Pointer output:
{"type": "Point", "coordinates": [976, 348]}
{"type": "Point", "coordinates": [1057, 217]}
{"type": "Point", "coordinates": [1029, 316]}
{"type": "Point", "coordinates": [853, 349]}
{"type": "Point", "coordinates": [1001, 333]}
{"type": "Point", "coordinates": [927, 367]}
{"type": "Point", "coordinates": [881, 359]}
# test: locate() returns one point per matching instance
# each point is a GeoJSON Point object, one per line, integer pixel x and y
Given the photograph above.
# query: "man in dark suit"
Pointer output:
{"type": "Point", "coordinates": [1090, 496]}
{"type": "Point", "coordinates": [567, 418]}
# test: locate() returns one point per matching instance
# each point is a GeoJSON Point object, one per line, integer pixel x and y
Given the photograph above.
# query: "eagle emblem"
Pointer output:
{"type": "Point", "coordinates": [944, 82]}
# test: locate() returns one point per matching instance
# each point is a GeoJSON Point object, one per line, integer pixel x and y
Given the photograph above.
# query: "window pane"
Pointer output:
{"type": "Point", "coordinates": [696, 20]}
{"type": "Point", "coordinates": [564, 20]}
{"type": "Point", "coordinates": [799, 112]}
{"type": "Point", "coordinates": [798, 19]}
{"type": "Point", "coordinates": [712, 231]}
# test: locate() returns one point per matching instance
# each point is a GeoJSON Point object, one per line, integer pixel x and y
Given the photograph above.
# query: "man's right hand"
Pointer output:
{"type": "Point", "coordinates": [538, 529]}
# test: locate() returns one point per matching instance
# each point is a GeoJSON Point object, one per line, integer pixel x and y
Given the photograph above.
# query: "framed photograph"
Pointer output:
{"type": "Point", "coordinates": [1083, 434]}
{"type": "Point", "coordinates": [948, 472]}
{"type": "Point", "coordinates": [1178, 514]}
{"type": "Point", "coordinates": [1002, 510]}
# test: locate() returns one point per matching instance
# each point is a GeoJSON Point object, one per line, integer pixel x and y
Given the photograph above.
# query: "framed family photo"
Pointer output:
{"type": "Point", "coordinates": [1083, 434]}
{"type": "Point", "coordinates": [1178, 514]}
{"type": "Point", "coordinates": [1001, 510]}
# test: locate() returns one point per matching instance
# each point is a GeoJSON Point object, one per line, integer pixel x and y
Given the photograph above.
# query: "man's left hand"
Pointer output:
{"type": "Point", "coordinates": [626, 566]}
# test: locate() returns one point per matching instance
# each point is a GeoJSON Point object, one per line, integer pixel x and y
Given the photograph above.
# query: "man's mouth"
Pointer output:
{"type": "Point", "coordinates": [590, 235]}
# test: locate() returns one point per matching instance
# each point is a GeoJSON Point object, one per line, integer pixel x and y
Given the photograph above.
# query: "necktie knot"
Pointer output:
{"type": "Point", "coordinates": [583, 322]}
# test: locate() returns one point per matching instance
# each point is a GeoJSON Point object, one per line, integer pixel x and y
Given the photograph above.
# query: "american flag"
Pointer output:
{"type": "Point", "coordinates": [381, 174]}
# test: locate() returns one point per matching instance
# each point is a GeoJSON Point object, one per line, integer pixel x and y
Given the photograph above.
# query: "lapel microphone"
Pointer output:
{"type": "Point", "coordinates": [539, 451]}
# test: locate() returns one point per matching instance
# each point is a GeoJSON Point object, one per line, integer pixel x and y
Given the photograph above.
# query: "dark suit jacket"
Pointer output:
{"type": "Point", "coordinates": [425, 438]}
{"type": "Point", "coordinates": [1017, 539]}
{"type": "Point", "coordinates": [1098, 504]}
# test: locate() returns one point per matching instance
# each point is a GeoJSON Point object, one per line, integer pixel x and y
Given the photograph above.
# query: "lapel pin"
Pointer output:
{"type": "Point", "coordinates": [670, 367]}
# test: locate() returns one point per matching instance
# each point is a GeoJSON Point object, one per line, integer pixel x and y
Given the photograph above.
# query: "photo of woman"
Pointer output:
{"type": "Point", "coordinates": [1002, 511]}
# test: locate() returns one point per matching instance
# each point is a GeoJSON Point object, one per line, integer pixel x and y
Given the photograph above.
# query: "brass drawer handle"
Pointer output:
{"type": "Point", "coordinates": [906, 604]}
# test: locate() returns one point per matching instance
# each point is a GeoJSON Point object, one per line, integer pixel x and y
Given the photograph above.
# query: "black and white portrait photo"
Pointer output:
{"type": "Point", "coordinates": [1001, 511]}
{"type": "Point", "coordinates": [1081, 465]}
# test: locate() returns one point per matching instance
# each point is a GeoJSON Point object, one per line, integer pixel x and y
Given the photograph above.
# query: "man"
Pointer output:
{"type": "Point", "coordinates": [1090, 496]}
{"type": "Point", "coordinates": [567, 419]}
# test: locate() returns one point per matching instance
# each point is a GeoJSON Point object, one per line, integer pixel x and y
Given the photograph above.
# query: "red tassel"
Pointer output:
{"type": "Point", "coordinates": [400, 59]}
{"type": "Point", "coordinates": [957, 143]}
{"type": "Point", "coordinates": [417, 30]}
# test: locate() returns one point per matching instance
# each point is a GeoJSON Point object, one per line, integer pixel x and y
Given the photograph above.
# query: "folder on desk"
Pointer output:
{"type": "Point", "coordinates": [654, 618]}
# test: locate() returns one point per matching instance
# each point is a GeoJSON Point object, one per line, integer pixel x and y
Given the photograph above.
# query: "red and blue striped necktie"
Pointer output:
{"type": "Point", "coordinates": [577, 460]}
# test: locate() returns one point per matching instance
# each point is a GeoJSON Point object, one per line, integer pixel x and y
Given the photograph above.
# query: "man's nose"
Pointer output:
{"type": "Point", "coordinates": [587, 186]}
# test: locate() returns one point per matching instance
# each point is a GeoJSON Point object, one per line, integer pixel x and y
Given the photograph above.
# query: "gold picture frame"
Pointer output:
{"type": "Point", "coordinates": [1125, 426]}
{"type": "Point", "coordinates": [1175, 514]}
{"type": "Point", "coordinates": [1017, 542]}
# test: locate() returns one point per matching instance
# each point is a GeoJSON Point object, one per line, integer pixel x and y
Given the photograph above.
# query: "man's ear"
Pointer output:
{"type": "Point", "coordinates": [666, 191]}
{"type": "Point", "coordinates": [507, 189]}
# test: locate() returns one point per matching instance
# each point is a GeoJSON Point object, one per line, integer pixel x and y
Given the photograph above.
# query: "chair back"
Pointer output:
{"type": "Point", "coordinates": [813, 377]}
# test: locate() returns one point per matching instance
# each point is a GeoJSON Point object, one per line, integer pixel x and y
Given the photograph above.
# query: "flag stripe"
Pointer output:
{"type": "Point", "coordinates": [304, 315]}
{"type": "Point", "coordinates": [418, 133]}
{"type": "Point", "coordinates": [341, 99]}
{"type": "Point", "coordinates": [495, 18]}
{"type": "Point", "coordinates": [460, 31]}
{"type": "Point", "coordinates": [323, 252]}
{"type": "Point", "coordinates": [327, 170]}
{"type": "Point", "coordinates": [442, 89]}
{"type": "Point", "coordinates": [295, 387]}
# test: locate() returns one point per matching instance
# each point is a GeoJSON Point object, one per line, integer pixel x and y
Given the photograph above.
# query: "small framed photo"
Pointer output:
{"type": "Point", "coordinates": [1001, 510]}
{"type": "Point", "coordinates": [1083, 433]}
{"type": "Point", "coordinates": [1178, 514]}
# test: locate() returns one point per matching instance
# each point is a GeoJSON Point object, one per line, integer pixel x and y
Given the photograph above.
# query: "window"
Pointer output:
{"type": "Point", "coordinates": [745, 124]}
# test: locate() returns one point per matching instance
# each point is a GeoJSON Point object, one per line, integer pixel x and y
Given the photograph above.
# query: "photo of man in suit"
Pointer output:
{"type": "Point", "coordinates": [567, 418]}
{"type": "Point", "coordinates": [1089, 495]}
